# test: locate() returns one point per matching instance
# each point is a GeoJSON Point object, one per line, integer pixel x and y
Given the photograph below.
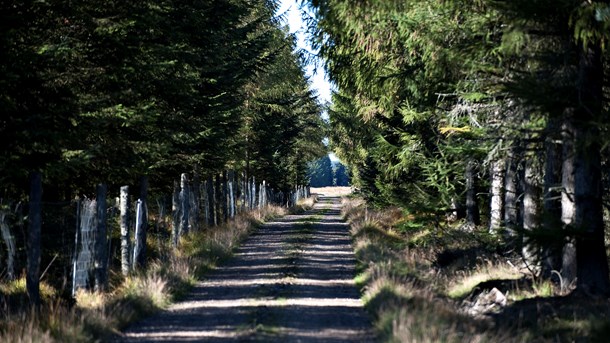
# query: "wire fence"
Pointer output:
{"type": "Point", "coordinates": [82, 237]}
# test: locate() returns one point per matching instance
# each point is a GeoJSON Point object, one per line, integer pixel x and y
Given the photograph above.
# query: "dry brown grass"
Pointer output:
{"type": "Point", "coordinates": [98, 316]}
{"type": "Point", "coordinates": [404, 289]}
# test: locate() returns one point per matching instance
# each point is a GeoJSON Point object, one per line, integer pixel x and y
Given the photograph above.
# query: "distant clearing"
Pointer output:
{"type": "Point", "coordinates": [331, 191]}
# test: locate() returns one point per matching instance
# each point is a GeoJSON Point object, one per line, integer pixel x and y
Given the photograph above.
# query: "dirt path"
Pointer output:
{"type": "Point", "coordinates": [292, 281]}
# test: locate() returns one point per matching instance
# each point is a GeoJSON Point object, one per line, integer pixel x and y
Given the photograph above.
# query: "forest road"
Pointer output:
{"type": "Point", "coordinates": [291, 281]}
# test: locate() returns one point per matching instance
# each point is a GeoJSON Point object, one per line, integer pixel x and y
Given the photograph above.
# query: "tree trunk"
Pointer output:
{"type": "Point", "coordinates": [101, 241]}
{"type": "Point", "coordinates": [568, 205]}
{"type": "Point", "coordinates": [124, 223]}
{"type": "Point", "coordinates": [511, 208]}
{"type": "Point", "coordinates": [591, 258]}
{"type": "Point", "coordinates": [531, 210]}
{"type": "Point", "coordinates": [551, 250]}
{"type": "Point", "coordinates": [497, 172]}
{"type": "Point", "coordinates": [33, 242]}
{"type": "Point", "coordinates": [472, 208]}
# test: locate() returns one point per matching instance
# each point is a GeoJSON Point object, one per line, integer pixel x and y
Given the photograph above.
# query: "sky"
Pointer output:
{"type": "Point", "coordinates": [319, 82]}
{"type": "Point", "coordinates": [292, 13]}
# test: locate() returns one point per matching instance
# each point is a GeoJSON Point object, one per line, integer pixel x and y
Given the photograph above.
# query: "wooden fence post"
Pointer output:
{"type": "Point", "coordinates": [205, 202]}
{"type": "Point", "coordinates": [33, 243]}
{"type": "Point", "coordinates": [85, 249]}
{"type": "Point", "coordinates": [211, 206]}
{"type": "Point", "coordinates": [218, 199]}
{"type": "Point", "coordinates": [243, 190]}
{"type": "Point", "coordinates": [253, 193]}
{"type": "Point", "coordinates": [176, 213]}
{"type": "Point", "coordinates": [76, 244]}
{"type": "Point", "coordinates": [260, 196]}
{"type": "Point", "coordinates": [124, 223]}
{"type": "Point", "coordinates": [139, 241]}
{"type": "Point", "coordinates": [231, 194]}
{"type": "Point", "coordinates": [195, 198]}
{"type": "Point", "coordinates": [185, 204]}
{"type": "Point", "coordinates": [9, 240]}
{"type": "Point", "coordinates": [139, 259]}
{"type": "Point", "coordinates": [101, 241]}
{"type": "Point", "coordinates": [225, 197]}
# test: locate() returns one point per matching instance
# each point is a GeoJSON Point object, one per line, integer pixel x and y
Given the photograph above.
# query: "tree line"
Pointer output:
{"type": "Point", "coordinates": [139, 92]}
{"type": "Point", "coordinates": [323, 172]}
{"type": "Point", "coordinates": [496, 111]}
{"type": "Point", "coordinates": [109, 93]}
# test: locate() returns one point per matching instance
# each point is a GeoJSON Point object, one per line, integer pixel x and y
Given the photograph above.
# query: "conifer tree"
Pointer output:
{"type": "Point", "coordinates": [447, 88]}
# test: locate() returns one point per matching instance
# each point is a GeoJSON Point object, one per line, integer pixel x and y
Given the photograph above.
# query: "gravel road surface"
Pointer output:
{"type": "Point", "coordinates": [291, 281]}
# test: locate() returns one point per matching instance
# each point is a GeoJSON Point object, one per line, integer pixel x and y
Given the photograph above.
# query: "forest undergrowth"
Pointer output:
{"type": "Point", "coordinates": [425, 282]}
{"type": "Point", "coordinates": [96, 316]}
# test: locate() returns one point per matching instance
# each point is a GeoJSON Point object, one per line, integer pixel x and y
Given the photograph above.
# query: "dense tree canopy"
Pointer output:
{"type": "Point", "coordinates": [441, 101]}
{"type": "Point", "coordinates": [93, 93]}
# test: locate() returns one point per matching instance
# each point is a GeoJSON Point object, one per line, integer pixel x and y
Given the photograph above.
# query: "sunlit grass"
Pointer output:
{"type": "Point", "coordinates": [17, 289]}
{"type": "Point", "coordinates": [303, 205]}
{"type": "Point", "coordinates": [91, 300]}
{"type": "Point", "coordinates": [463, 285]}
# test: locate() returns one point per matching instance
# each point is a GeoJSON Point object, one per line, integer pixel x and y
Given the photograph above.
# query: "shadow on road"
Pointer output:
{"type": "Point", "coordinates": [292, 281]}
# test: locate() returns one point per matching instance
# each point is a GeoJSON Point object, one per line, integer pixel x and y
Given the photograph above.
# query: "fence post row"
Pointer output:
{"type": "Point", "coordinates": [218, 195]}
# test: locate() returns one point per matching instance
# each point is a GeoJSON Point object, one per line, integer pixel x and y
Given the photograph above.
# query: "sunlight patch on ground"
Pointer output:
{"type": "Point", "coordinates": [284, 281]}
{"type": "Point", "coordinates": [261, 302]}
{"type": "Point", "coordinates": [170, 336]}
